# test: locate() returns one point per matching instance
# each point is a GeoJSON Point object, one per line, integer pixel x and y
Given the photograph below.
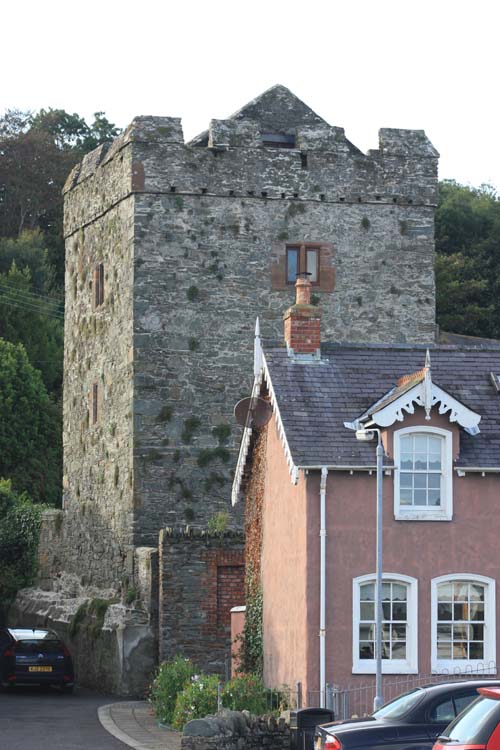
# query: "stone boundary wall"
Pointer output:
{"type": "Point", "coordinates": [235, 730]}
{"type": "Point", "coordinates": [202, 577]}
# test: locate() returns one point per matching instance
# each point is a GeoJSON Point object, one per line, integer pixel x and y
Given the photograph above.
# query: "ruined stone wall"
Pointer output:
{"type": "Point", "coordinates": [201, 579]}
{"type": "Point", "coordinates": [98, 467]}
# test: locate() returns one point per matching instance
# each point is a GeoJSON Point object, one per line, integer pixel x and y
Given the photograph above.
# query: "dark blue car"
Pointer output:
{"type": "Point", "coordinates": [34, 657]}
{"type": "Point", "coordinates": [412, 721]}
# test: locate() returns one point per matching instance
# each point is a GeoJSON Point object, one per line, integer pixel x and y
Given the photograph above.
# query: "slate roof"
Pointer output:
{"type": "Point", "coordinates": [316, 399]}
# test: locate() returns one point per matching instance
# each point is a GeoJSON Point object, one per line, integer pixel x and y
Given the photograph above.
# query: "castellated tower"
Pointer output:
{"type": "Point", "coordinates": [172, 249]}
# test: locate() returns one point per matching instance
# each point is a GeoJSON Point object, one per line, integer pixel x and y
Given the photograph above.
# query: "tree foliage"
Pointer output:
{"type": "Point", "coordinates": [31, 312]}
{"type": "Point", "coordinates": [30, 428]}
{"type": "Point", "coordinates": [19, 534]}
{"type": "Point", "coordinates": [468, 260]}
{"type": "Point", "coordinates": [37, 152]}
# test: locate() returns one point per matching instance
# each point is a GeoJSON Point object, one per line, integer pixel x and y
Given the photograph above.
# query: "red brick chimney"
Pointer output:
{"type": "Point", "coordinates": [303, 321]}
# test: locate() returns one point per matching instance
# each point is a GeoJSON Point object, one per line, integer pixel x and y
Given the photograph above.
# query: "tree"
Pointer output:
{"type": "Point", "coordinates": [468, 260]}
{"type": "Point", "coordinates": [19, 535]}
{"type": "Point", "coordinates": [37, 153]}
{"type": "Point", "coordinates": [30, 428]}
{"type": "Point", "coordinates": [31, 312]}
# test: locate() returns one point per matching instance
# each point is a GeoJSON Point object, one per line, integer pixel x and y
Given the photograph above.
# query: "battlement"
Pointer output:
{"type": "Point", "coordinates": [255, 154]}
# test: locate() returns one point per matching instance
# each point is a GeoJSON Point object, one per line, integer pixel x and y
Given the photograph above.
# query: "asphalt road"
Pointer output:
{"type": "Point", "coordinates": [44, 719]}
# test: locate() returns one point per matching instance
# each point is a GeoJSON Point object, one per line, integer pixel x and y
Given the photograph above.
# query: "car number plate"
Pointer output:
{"type": "Point", "coordinates": [39, 669]}
{"type": "Point", "coordinates": [318, 743]}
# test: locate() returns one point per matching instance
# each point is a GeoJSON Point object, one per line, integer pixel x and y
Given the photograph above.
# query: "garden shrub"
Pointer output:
{"type": "Point", "coordinates": [246, 692]}
{"type": "Point", "coordinates": [20, 522]}
{"type": "Point", "coordinates": [171, 678]}
{"type": "Point", "coordinates": [198, 699]}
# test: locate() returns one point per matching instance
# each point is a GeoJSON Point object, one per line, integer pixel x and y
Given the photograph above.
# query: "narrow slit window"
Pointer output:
{"type": "Point", "coordinates": [95, 403]}
{"type": "Point", "coordinates": [99, 285]}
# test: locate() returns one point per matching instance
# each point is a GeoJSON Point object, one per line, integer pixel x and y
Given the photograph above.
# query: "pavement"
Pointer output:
{"type": "Point", "coordinates": [132, 723]}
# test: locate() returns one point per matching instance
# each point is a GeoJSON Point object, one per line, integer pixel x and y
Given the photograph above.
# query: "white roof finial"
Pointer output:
{"type": "Point", "coordinates": [257, 351]}
{"type": "Point", "coordinates": [427, 386]}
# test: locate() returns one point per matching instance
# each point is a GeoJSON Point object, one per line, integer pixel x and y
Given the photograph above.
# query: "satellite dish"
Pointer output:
{"type": "Point", "coordinates": [253, 412]}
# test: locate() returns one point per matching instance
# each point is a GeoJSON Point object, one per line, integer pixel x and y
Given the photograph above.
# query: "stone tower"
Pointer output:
{"type": "Point", "coordinates": [172, 249]}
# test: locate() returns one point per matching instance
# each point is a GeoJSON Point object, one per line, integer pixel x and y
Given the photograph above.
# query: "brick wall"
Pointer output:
{"type": "Point", "coordinates": [201, 579]}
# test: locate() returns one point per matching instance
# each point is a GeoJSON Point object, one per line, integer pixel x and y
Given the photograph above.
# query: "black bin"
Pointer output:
{"type": "Point", "coordinates": [303, 724]}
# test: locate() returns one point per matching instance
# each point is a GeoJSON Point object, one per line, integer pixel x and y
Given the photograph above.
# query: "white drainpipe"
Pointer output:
{"type": "Point", "coordinates": [322, 585]}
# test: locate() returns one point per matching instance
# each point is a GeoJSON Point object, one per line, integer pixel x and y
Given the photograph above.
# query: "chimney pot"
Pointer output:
{"type": "Point", "coordinates": [303, 321]}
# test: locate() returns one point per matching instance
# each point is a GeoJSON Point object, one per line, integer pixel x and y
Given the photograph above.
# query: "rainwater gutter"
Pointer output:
{"type": "Point", "coordinates": [322, 586]}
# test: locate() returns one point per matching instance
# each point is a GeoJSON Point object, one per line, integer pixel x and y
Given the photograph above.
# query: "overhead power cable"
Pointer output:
{"type": "Point", "coordinates": [30, 307]}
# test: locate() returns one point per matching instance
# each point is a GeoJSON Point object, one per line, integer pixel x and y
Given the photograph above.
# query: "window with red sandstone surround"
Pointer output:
{"type": "Point", "coordinates": [302, 259]}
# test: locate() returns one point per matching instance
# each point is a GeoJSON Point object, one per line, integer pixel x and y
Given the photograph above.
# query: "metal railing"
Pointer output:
{"type": "Point", "coordinates": [357, 700]}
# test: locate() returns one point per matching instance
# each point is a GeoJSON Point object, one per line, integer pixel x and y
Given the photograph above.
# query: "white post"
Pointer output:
{"type": "Point", "coordinates": [322, 586]}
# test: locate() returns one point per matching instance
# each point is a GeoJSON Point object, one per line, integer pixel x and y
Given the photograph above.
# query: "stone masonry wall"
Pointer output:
{"type": "Point", "coordinates": [237, 730]}
{"type": "Point", "coordinates": [201, 579]}
{"type": "Point", "coordinates": [197, 234]}
{"type": "Point", "coordinates": [211, 229]}
{"type": "Point", "coordinates": [98, 466]}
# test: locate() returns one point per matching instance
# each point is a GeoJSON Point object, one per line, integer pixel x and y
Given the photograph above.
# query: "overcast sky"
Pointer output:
{"type": "Point", "coordinates": [360, 64]}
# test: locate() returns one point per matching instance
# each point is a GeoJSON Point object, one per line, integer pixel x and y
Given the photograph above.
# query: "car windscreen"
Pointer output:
{"type": "Point", "coordinates": [35, 646]}
{"type": "Point", "coordinates": [468, 726]}
{"type": "Point", "coordinates": [400, 706]}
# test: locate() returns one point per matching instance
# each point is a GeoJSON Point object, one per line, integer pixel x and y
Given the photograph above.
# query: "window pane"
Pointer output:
{"type": "Point", "coordinates": [406, 461]}
{"type": "Point", "coordinates": [434, 497]}
{"type": "Point", "coordinates": [461, 592]}
{"type": "Point", "coordinates": [460, 650]}
{"type": "Point", "coordinates": [460, 632]}
{"type": "Point", "coordinates": [477, 612]}
{"type": "Point", "coordinates": [312, 264]}
{"type": "Point", "coordinates": [420, 480]}
{"type": "Point", "coordinates": [476, 592]}
{"type": "Point", "coordinates": [367, 592]}
{"type": "Point", "coordinates": [476, 632]}
{"type": "Point", "coordinates": [367, 611]}
{"type": "Point", "coordinates": [435, 445]}
{"type": "Point", "coordinates": [445, 592]}
{"type": "Point", "coordinates": [398, 632]}
{"type": "Point", "coordinates": [399, 650]}
{"type": "Point", "coordinates": [443, 712]}
{"type": "Point", "coordinates": [434, 463]}
{"type": "Point", "coordinates": [366, 650]}
{"type": "Point", "coordinates": [461, 611]}
{"type": "Point", "coordinates": [444, 632]}
{"type": "Point", "coordinates": [434, 481]}
{"type": "Point", "coordinates": [386, 592]}
{"type": "Point", "coordinates": [405, 480]}
{"type": "Point", "coordinates": [444, 650]}
{"type": "Point", "coordinates": [476, 651]}
{"type": "Point", "coordinates": [292, 261]}
{"type": "Point", "coordinates": [406, 444]}
{"type": "Point", "coordinates": [366, 632]}
{"type": "Point", "coordinates": [421, 461]}
{"type": "Point", "coordinates": [399, 611]}
{"type": "Point", "coordinates": [444, 612]}
{"type": "Point", "coordinates": [386, 610]}
{"type": "Point", "coordinates": [420, 497]}
{"type": "Point", "coordinates": [386, 650]}
{"type": "Point", "coordinates": [405, 497]}
{"type": "Point", "coordinates": [420, 443]}
{"type": "Point", "coordinates": [398, 592]}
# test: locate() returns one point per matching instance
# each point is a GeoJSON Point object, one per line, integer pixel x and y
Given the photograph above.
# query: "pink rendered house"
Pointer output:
{"type": "Point", "coordinates": [438, 408]}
